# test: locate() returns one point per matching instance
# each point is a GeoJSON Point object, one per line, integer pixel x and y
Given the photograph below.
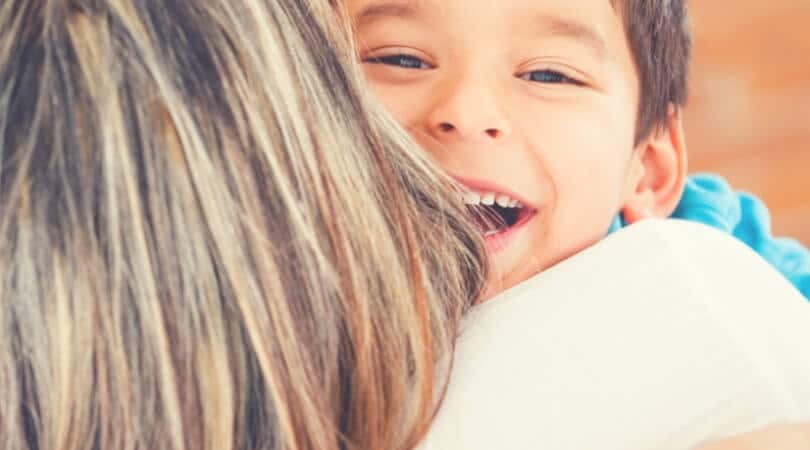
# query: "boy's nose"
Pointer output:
{"type": "Point", "coordinates": [468, 110]}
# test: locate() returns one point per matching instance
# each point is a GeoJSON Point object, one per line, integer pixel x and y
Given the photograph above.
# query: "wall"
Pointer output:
{"type": "Point", "coordinates": [749, 112]}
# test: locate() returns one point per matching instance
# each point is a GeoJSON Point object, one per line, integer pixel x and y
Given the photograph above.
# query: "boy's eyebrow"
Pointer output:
{"type": "Point", "coordinates": [558, 26]}
{"type": "Point", "coordinates": [381, 9]}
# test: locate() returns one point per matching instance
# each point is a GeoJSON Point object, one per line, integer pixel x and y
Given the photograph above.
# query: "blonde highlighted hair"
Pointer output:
{"type": "Point", "coordinates": [208, 239]}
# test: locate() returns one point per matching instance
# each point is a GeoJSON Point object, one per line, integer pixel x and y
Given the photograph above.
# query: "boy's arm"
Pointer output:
{"type": "Point", "coordinates": [710, 200]}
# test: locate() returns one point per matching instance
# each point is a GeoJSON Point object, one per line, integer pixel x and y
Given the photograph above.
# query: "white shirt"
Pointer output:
{"type": "Point", "coordinates": [663, 336]}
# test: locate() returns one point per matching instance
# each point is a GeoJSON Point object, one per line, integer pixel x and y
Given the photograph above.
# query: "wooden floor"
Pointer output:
{"type": "Point", "coordinates": [749, 113]}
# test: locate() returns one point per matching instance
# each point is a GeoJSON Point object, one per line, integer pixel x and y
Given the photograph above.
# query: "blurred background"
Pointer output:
{"type": "Point", "coordinates": [749, 113]}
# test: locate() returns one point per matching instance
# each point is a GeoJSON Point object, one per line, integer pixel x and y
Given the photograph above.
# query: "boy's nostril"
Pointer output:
{"type": "Point", "coordinates": [446, 127]}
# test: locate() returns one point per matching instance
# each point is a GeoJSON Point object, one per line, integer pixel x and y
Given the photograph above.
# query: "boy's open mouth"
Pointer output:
{"type": "Point", "coordinates": [495, 214]}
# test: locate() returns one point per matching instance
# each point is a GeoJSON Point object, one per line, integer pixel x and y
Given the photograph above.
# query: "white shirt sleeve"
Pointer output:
{"type": "Point", "coordinates": [665, 335]}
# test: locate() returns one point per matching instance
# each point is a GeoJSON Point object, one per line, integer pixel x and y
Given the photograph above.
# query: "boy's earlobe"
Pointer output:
{"type": "Point", "coordinates": [660, 172]}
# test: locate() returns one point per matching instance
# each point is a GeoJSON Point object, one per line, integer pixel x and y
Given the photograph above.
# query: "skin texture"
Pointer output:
{"type": "Point", "coordinates": [533, 98]}
{"type": "Point", "coordinates": [782, 437]}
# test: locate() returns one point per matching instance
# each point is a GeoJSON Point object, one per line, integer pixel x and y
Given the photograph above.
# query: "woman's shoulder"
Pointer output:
{"type": "Point", "coordinates": [664, 258]}
{"type": "Point", "coordinates": [661, 336]}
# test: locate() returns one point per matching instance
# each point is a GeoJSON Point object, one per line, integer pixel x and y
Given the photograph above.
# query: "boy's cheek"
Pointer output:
{"type": "Point", "coordinates": [587, 126]}
{"type": "Point", "coordinates": [588, 190]}
{"type": "Point", "coordinates": [388, 97]}
{"type": "Point", "coordinates": [407, 106]}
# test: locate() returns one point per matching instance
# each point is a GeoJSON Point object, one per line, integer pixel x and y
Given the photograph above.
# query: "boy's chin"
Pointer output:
{"type": "Point", "coordinates": [508, 271]}
{"type": "Point", "coordinates": [491, 290]}
{"type": "Point", "coordinates": [500, 281]}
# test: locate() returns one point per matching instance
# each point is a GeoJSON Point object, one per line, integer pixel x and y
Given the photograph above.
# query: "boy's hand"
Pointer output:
{"type": "Point", "coordinates": [783, 437]}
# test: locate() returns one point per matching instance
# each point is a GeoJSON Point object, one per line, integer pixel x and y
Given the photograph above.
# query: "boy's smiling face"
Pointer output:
{"type": "Point", "coordinates": [534, 100]}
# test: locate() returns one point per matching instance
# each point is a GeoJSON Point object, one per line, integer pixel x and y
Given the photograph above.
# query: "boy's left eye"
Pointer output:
{"type": "Point", "coordinates": [549, 77]}
{"type": "Point", "coordinates": [400, 60]}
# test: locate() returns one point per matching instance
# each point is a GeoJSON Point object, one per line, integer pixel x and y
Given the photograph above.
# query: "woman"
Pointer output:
{"type": "Point", "coordinates": [206, 241]}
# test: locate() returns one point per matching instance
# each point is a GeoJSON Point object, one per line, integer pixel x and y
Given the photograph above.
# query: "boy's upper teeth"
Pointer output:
{"type": "Point", "coordinates": [475, 198]}
{"type": "Point", "coordinates": [472, 198]}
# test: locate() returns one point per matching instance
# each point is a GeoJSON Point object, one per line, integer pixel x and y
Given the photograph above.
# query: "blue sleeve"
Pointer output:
{"type": "Point", "coordinates": [710, 200]}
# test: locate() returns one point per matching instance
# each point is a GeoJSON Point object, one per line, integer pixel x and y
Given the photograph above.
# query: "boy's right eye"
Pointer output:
{"type": "Point", "coordinates": [400, 60]}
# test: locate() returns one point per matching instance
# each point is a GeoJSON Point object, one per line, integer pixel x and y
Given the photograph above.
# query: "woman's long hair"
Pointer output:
{"type": "Point", "coordinates": [207, 241]}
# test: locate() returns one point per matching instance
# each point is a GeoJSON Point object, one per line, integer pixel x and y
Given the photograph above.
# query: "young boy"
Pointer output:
{"type": "Point", "coordinates": [556, 115]}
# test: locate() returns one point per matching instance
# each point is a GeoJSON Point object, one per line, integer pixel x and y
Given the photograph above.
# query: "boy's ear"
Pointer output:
{"type": "Point", "coordinates": [658, 172]}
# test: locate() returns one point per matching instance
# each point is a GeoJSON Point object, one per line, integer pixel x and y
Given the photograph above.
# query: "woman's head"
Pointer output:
{"type": "Point", "coordinates": [206, 242]}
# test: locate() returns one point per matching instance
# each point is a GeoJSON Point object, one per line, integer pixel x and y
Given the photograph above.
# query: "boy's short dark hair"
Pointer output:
{"type": "Point", "coordinates": [659, 35]}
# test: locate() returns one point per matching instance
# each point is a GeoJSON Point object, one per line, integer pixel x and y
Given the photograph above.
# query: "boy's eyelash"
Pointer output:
{"type": "Point", "coordinates": [414, 63]}
{"type": "Point", "coordinates": [549, 77]}
{"type": "Point", "coordinates": [400, 60]}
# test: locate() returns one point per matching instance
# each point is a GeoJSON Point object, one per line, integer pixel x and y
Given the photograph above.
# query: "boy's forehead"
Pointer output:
{"type": "Point", "coordinates": [365, 10]}
{"type": "Point", "coordinates": [585, 21]}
